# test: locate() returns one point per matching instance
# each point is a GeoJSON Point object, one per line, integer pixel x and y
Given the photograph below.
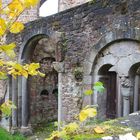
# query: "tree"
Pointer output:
{"type": "Point", "coordinates": [8, 23]}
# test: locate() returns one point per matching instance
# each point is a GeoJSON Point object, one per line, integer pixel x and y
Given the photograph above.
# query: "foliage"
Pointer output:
{"type": "Point", "coordinates": [98, 86]}
{"type": "Point", "coordinates": [9, 23]}
{"type": "Point", "coordinates": [6, 108]}
{"type": "Point", "coordinates": [74, 128]}
{"type": "Point", "coordinates": [87, 113]}
{"type": "Point", "coordinates": [4, 135]}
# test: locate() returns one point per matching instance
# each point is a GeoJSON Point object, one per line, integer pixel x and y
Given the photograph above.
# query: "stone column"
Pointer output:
{"type": "Point", "coordinates": [25, 128]}
{"type": "Point", "coordinates": [25, 111]}
{"type": "Point", "coordinates": [136, 93]}
{"type": "Point", "coordinates": [19, 100]}
{"type": "Point", "coordinates": [125, 91]}
{"type": "Point", "coordinates": [14, 100]}
{"type": "Point", "coordinates": [119, 98]}
{"type": "Point", "coordinates": [59, 67]}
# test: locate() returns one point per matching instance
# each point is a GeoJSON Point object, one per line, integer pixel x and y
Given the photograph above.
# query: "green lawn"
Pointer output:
{"type": "Point", "coordinates": [4, 135]}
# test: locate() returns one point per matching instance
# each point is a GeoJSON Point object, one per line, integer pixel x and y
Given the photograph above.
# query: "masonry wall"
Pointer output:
{"type": "Point", "coordinates": [84, 26]}
{"type": "Point", "coordinates": [27, 15]}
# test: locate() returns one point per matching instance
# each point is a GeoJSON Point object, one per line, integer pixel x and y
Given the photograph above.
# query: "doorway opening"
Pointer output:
{"type": "Point", "coordinates": [108, 78]}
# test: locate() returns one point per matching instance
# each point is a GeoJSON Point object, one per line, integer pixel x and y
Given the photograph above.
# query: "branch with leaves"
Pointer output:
{"type": "Point", "coordinates": [9, 15]}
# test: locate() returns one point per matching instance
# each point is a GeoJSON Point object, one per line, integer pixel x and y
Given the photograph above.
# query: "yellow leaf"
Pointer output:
{"type": "Point", "coordinates": [89, 92]}
{"type": "Point", "coordinates": [2, 26]}
{"type": "Point", "coordinates": [138, 135]}
{"type": "Point", "coordinates": [24, 73]}
{"type": "Point", "coordinates": [41, 74]}
{"type": "Point", "coordinates": [87, 113]}
{"type": "Point", "coordinates": [83, 115]}
{"type": "Point", "coordinates": [29, 3]}
{"type": "Point", "coordinates": [15, 8]}
{"type": "Point", "coordinates": [2, 62]}
{"type": "Point", "coordinates": [0, 4]}
{"type": "Point", "coordinates": [32, 68]}
{"type": "Point", "coordinates": [9, 49]}
{"type": "Point", "coordinates": [3, 75]}
{"type": "Point", "coordinates": [16, 27]}
{"type": "Point", "coordinates": [71, 127]}
{"type": "Point", "coordinates": [99, 130]}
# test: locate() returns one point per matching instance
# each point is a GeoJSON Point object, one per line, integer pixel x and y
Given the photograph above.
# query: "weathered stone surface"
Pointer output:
{"type": "Point", "coordinates": [91, 32]}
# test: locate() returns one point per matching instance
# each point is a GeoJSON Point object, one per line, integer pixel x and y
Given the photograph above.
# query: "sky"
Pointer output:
{"type": "Point", "coordinates": [48, 8]}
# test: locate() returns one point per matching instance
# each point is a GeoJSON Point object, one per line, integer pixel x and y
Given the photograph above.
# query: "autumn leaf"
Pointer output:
{"type": "Point", "coordinates": [32, 68]}
{"type": "Point", "coordinates": [41, 74]}
{"type": "Point", "coordinates": [0, 4]}
{"type": "Point", "coordinates": [15, 8]}
{"type": "Point", "coordinates": [89, 92]}
{"type": "Point", "coordinates": [29, 3]}
{"type": "Point", "coordinates": [71, 127]}
{"type": "Point", "coordinates": [3, 75]}
{"type": "Point", "coordinates": [7, 107]}
{"type": "Point", "coordinates": [9, 49]}
{"type": "Point", "coordinates": [87, 113]}
{"type": "Point", "coordinates": [2, 26]}
{"type": "Point", "coordinates": [99, 130]}
{"type": "Point", "coordinates": [138, 135]}
{"type": "Point", "coordinates": [16, 27]}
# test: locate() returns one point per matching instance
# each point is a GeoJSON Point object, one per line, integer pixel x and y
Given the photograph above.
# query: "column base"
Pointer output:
{"type": "Point", "coordinates": [14, 130]}
{"type": "Point", "coordinates": [26, 131]}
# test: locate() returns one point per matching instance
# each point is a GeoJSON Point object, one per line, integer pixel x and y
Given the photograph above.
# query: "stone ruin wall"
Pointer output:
{"type": "Point", "coordinates": [84, 26]}
{"type": "Point", "coordinates": [27, 15]}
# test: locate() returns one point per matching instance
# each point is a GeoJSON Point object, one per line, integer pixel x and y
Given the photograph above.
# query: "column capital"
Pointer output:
{"type": "Point", "coordinates": [125, 82]}
{"type": "Point", "coordinates": [59, 66]}
{"type": "Point", "coordinates": [126, 85]}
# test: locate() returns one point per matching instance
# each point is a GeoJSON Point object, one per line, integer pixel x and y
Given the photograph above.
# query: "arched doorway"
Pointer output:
{"type": "Point", "coordinates": [39, 103]}
{"type": "Point", "coordinates": [134, 73]}
{"type": "Point", "coordinates": [114, 66]}
{"type": "Point", "coordinates": [109, 98]}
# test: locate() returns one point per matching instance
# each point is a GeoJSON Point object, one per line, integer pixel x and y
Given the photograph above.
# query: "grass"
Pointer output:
{"type": "Point", "coordinates": [43, 130]}
{"type": "Point", "coordinates": [4, 135]}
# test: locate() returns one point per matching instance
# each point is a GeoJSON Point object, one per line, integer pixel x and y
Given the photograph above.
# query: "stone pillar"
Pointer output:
{"type": "Point", "coordinates": [25, 128]}
{"type": "Point", "coordinates": [19, 100]}
{"type": "Point", "coordinates": [126, 105]}
{"type": "Point", "coordinates": [125, 91]}
{"type": "Point", "coordinates": [25, 111]}
{"type": "Point", "coordinates": [136, 92]}
{"type": "Point", "coordinates": [119, 98]}
{"type": "Point", "coordinates": [59, 67]}
{"type": "Point", "coordinates": [14, 100]}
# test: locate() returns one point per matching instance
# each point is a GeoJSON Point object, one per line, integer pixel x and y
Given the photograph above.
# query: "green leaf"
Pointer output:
{"type": "Point", "coordinates": [88, 92]}
{"type": "Point", "coordinates": [98, 86]}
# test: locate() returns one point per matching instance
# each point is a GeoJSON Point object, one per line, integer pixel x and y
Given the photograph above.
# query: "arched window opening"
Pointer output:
{"type": "Point", "coordinates": [44, 92]}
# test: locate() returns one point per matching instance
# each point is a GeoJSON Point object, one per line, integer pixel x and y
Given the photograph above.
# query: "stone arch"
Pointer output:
{"type": "Point", "coordinates": [26, 55]}
{"type": "Point", "coordinates": [106, 40]}
{"type": "Point", "coordinates": [91, 72]}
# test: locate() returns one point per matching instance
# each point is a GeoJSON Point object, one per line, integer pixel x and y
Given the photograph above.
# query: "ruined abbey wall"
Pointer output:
{"type": "Point", "coordinates": [85, 31]}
